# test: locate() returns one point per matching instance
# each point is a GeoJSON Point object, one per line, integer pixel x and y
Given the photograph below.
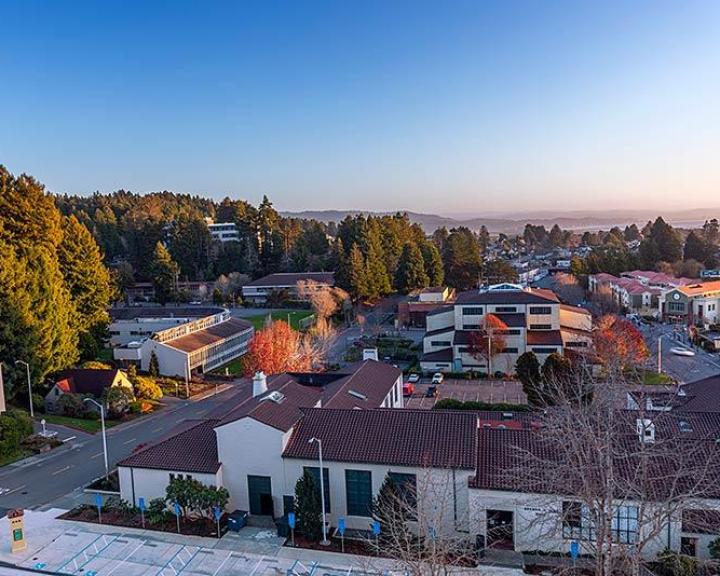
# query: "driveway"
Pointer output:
{"type": "Point", "coordinates": [490, 391]}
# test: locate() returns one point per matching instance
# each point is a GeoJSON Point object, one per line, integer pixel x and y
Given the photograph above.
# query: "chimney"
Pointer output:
{"type": "Point", "coordinates": [259, 384]}
{"type": "Point", "coordinates": [645, 430]}
{"type": "Point", "coordinates": [370, 354]}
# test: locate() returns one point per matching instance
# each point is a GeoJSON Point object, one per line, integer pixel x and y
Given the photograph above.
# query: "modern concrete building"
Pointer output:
{"type": "Point", "coordinates": [283, 284]}
{"type": "Point", "coordinates": [199, 339]}
{"type": "Point", "coordinates": [224, 231]}
{"type": "Point", "coordinates": [533, 319]}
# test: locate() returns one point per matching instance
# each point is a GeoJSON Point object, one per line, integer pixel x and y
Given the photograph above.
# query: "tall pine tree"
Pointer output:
{"type": "Point", "coordinates": [165, 273]}
{"type": "Point", "coordinates": [410, 273]}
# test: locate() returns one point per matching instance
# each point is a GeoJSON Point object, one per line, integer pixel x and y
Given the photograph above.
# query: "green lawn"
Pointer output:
{"type": "Point", "coordinates": [90, 426]}
{"type": "Point", "coordinates": [655, 379]}
{"type": "Point", "coordinates": [295, 316]}
{"type": "Point", "coordinates": [234, 368]}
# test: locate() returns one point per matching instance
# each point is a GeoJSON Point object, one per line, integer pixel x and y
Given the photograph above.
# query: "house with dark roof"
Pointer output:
{"type": "Point", "coordinates": [83, 381]}
{"type": "Point", "coordinates": [532, 319]}
{"type": "Point", "coordinates": [283, 283]}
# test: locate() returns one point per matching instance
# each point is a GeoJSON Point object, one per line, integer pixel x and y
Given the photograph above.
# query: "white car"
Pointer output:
{"type": "Point", "coordinates": [438, 378]}
{"type": "Point", "coordinates": [413, 378]}
{"type": "Point", "coordinates": [682, 352]}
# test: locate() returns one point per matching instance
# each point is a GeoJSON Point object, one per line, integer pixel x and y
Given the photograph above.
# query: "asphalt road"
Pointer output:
{"type": "Point", "coordinates": [39, 480]}
{"type": "Point", "coordinates": [683, 368]}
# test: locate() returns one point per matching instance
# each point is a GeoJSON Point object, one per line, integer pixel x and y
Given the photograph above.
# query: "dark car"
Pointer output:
{"type": "Point", "coordinates": [431, 392]}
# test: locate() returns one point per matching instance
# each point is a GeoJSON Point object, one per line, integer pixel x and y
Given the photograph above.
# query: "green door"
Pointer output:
{"type": "Point", "coordinates": [260, 495]}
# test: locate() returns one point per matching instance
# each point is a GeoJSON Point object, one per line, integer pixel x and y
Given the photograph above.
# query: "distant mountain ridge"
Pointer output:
{"type": "Point", "coordinates": [514, 223]}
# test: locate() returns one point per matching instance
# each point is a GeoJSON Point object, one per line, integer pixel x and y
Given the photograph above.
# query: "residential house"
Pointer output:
{"type": "Point", "coordinates": [413, 312]}
{"type": "Point", "coordinates": [692, 304]}
{"type": "Point", "coordinates": [83, 381]}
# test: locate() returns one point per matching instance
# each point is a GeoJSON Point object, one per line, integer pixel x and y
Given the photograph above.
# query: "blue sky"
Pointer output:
{"type": "Point", "coordinates": [450, 107]}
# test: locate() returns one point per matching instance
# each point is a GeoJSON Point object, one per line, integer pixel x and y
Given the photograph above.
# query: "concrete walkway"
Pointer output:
{"type": "Point", "coordinates": [67, 547]}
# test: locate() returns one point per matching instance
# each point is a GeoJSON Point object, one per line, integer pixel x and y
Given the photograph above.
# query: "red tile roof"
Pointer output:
{"type": "Point", "coordinates": [370, 379]}
{"type": "Point", "coordinates": [198, 340]}
{"type": "Point", "coordinates": [190, 447]}
{"type": "Point", "coordinates": [395, 437]}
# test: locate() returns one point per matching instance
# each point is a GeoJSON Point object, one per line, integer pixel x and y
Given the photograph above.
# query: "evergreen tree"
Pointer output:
{"type": "Point", "coordinates": [695, 248]}
{"type": "Point", "coordinates": [190, 247]}
{"type": "Point", "coordinates": [154, 365]}
{"type": "Point", "coordinates": [358, 285]}
{"type": "Point", "coordinates": [433, 264]}
{"type": "Point", "coordinates": [85, 276]}
{"type": "Point", "coordinates": [527, 369]}
{"type": "Point", "coordinates": [556, 236]}
{"type": "Point", "coordinates": [631, 233]}
{"type": "Point", "coordinates": [308, 508]}
{"type": "Point", "coordinates": [461, 259]}
{"type": "Point", "coordinates": [165, 274]}
{"type": "Point", "coordinates": [411, 270]}
{"type": "Point", "coordinates": [391, 511]}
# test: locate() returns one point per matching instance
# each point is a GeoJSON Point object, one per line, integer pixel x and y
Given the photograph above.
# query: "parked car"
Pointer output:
{"type": "Point", "coordinates": [682, 351]}
{"type": "Point", "coordinates": [431, 392]}
{"type": "Point", "coordinates": [438, 378]}
{"type": "Point", "coordinates": [413, 378]}
{"type": "Point", "coordinates": [408, 388]}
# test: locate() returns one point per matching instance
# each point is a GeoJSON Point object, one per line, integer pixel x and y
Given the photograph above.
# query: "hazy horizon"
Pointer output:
{"type": "Point", "coordinates": [469, 108]}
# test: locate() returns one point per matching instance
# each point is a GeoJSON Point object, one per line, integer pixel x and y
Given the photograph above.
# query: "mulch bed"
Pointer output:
{"type": "Point", "coordinates": [115, 518]}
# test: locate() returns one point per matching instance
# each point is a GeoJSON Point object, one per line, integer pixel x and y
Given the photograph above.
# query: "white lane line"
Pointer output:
{"type": "Point", "coordinates": [157, 430]}
{"type": "Point", "coordinates": [129, 441]}
{"type": "Point", "coordinates": [96, 455]}
{"type": "Point", "coordinates": [61, 470]}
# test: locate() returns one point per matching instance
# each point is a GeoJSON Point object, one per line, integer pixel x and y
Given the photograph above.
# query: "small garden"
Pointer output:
{"type": "Point", "coordinates": [17, 440]}
{"type": "Point", "coordinates": [397, 349]}
{"type": "Point", "coordinates": [295, 316]}
{"type": "Point", "coordinates": [196, 503]}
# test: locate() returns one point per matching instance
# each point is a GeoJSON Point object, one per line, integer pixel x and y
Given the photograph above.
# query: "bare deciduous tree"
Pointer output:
{"type": "Point", "coordinates": [613, 476]}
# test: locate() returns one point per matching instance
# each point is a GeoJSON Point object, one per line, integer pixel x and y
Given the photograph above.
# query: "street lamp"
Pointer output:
{"type": "Point", "coordinates": [27, 369]}
{"type": "Point", "coordinates": [325, 541]}
{"type": "Point", "coordinates": [659, 354]}
{"type": "Point", "coordinates": [104, 437]}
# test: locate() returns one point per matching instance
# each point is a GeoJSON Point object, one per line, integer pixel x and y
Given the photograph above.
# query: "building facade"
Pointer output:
{"type": "Point", "coordinates": [283, 284]}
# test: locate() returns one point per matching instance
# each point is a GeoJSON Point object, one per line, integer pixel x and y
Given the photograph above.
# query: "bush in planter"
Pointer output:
{"type": "Point", "coordinates": [307, 507]}
{"type": "Point", "coordinates": [157, 511]}
{"type": "Point", "coordinates": [671, 563]}
{"type": "Point", "coordinates": [72, 405]}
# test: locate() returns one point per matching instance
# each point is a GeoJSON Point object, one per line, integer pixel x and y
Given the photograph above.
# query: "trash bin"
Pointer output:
{"type": "Point", "coordinates": [237, 520]}
{"type": "Point", "coordinates": [480, 546]}
{"type": "Point", "coordinates": [283, 527]}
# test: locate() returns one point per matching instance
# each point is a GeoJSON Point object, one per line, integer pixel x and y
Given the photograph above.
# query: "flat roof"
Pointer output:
{"type": "Point", "coordinates": [211, 335]}
{"type": "Point", "coordinates": [133, 312]}
{"type": "Point", "coordinates": [291, 278]}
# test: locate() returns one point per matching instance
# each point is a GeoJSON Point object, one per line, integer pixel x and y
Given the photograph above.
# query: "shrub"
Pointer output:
{"type": "Point", "coordinates": [72, 405]}
{"type": "Point", "coordinates": [134, 407]}
{"type": "Point", "coordinates": [154, 367]}
{"type": "Point", "coordinates": [147, 389]}
{"type": "Point", "coordinates": [452, 404]}
{"type": "Point", "coordinates": [157, 511]}
{"type": "Point", "coordinates": [308, 507]}
{"type": "Point", "coordinates": [714, 549]}
{"type": "Point", "coordinates": [95, 365]}
{"type": "Point", "coordinates": [117, 400]}
{"type": "Point", "coordinates": [15, 427]}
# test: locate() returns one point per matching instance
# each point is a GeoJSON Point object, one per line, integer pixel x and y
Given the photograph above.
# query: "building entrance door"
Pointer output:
{"type": "Point", "coordinates": [260, 495]}
{"type": "Point", "coordinates": [499, 530]}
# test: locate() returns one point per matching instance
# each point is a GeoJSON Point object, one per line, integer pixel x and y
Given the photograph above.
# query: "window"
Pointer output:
{"type": "Point", "coordinates": [578, 344]}
{"type": "Point", "coordinates": [540, 326]}
{"type": "Point", "coordinates": [407, 489]}
{"type": "Point", "coordinates": [510, 350]}
{"type": "Point", "coordinates": [314, 470]}
{"type": "Point", "coordinates": [540, 310]}
{"type": "Point", "coordinates": [358, 492]}
{"type": "Point", "coordinates": [471, 326]}
{"type": "Point", "coordinates": [440, 343]}
{"type": "Point", "coordinates": [676, 306]}
{"type": "Point", "coordinates": [505, 308]}
{"type": "Point", "coordinates": [472, 311]}
{"type": "Point", "coordinates": [688, 546]}
{"type": "Point", "coordinates": [577, 523]}
{"type": "Point", "coordinates": [625, 524]}
{"type": "Point", "coordinates": [508, 332]}
{"type": "Point", "coordinates": [544, 350]}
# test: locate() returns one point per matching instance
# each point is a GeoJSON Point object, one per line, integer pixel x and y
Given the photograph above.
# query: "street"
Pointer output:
{"type": "Point", "coordinates": [41, 479]}
{"type": "Point", "coordinates": [683, 368]}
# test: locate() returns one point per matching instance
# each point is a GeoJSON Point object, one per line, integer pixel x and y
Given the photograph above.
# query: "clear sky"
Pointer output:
{"type": "Point", "coordinates": [444, 106]}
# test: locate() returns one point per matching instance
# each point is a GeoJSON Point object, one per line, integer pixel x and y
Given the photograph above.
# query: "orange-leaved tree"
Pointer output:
{"type": "Point", "coordinates": [489, 341]}
{"type": "Point", "coordinates": [619, 343]}
{"type": "Point", "coordinates": [275, 349]}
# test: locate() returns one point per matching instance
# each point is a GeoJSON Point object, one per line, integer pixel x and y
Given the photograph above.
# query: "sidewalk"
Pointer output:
{"type": "Point", "coordinates": [77, 547]}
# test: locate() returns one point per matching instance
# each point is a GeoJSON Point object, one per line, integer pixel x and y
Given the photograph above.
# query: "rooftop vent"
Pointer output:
{"type": "Point", "coordinates": [275, 396]}
{"type": "Point", "coordinates": [645, 430]}
{"type": "Point", "coordinates": [357, 394]}
{"type": "Point", "coordinates": [685, 426]}
{"type": "Point", "coordinates": [507, 415]}
{"type": "Point", "coordinates": [259, 384]}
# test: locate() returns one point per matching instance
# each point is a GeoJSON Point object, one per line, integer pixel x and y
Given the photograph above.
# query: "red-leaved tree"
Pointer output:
{"type": "Point", "coordinates": [276, 349]}
{"type": "Point", "coordinates": [494, 331]}
{"type": "Point", "coordinates": [619, 343]}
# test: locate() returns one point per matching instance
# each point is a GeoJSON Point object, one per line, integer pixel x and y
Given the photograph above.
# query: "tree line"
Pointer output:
{"type": "Point", "coordinates": [54, 287]}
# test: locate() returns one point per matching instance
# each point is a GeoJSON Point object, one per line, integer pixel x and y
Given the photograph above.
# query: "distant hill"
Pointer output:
{"type": "Point", "coordinates": [514, 223]}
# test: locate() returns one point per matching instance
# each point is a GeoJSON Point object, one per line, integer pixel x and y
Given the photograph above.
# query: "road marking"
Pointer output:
{"type": "Point", "coordinates": [129, 441]}
{"type": "Point", "coordinates": [96, 455]}
{"type": "Point", "coordinates": [61, 470]}
{"type": "Point", "coordinates": [157, 429]}
{"type": "Point", "coordinates": [8, 491]}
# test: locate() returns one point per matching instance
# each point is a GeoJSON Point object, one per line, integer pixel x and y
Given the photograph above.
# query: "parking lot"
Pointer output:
{"type": "Point", "coordinates": [490, 391]}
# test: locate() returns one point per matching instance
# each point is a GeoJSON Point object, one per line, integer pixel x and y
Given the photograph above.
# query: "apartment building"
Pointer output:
{"type": "Point", "coordinates": [637, 291]}
{"type": "Point", "coordinates": [224, 231]}
{"type": "Point", "coordinates": [694, 304]}
{"type": "Point", "coordinates": [534, 320]}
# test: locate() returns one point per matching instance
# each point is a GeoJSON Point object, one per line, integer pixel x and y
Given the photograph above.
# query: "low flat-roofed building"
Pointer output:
{"type": "Point", "coordinates": [283, 283]}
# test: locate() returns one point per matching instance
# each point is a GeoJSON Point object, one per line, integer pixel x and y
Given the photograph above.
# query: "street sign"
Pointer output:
{"type": "Point", "coordinates": [432, 532]}
{"type": "Point", "coordinates": [98, 500]}
{"type": "Point", "coordinates": [217, 513]}
{"type": "Point", "coordinates": [574, 549]}
{"type": "Point", "coordinates": [376, 528]}
{"type": "Point", "coordinates": [341, 526]}
{"type": "Point", "coordinates": [291, 519]}
{"type": "Point", "coordinates": [141, 504]}
{"type": "Point", "coordinates": [177, 509]}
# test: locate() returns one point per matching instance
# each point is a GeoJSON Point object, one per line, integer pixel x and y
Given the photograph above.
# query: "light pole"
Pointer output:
{"type": "Point", "coordinates": [27, 369]}
{"type": "Point", "coordinates": [325, 541]}
{"type": "Point", "coordinates": [659, 354]}
{"type": "Point", "coordinates": [104, 437]}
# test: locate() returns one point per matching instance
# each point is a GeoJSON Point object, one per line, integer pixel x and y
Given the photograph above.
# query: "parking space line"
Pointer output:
{"type": "Point", "coordinates": [222, 564]}
{"type": "Point", "coordinates": [126, 558]}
